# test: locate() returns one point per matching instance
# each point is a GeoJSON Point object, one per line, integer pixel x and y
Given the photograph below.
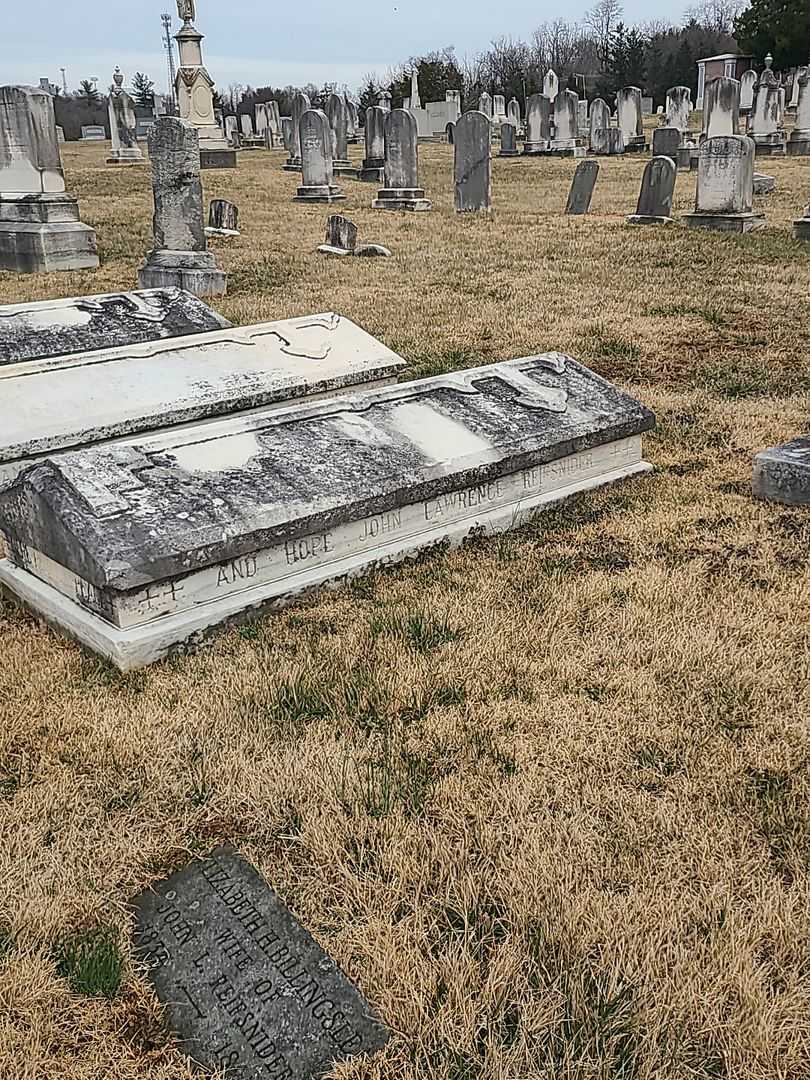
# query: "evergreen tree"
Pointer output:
{"type": "Point", "coordinates": [779, 27]}
{"type": "Point", "coordinates": [438, 72]}
{"type": "Point", "coordinates": [369, 96]}
{"type": "Point", "coordinates": [143, 90]}
{"type": "Point", "coordinates": [88, 95]}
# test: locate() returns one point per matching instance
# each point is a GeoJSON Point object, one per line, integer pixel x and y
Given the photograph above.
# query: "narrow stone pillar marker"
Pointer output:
{"type": "Point", "coordinates": [180, 258]}
{"type": "Point", "coordinates": [472, 162]}
{"type": "Point", "coordinates": [39, 222]}
{"type": "Point", "coordinates": [401, 191]}
{"type": "Point", "coordinates": [657, 191]}
{"type": "Point", "coordinates": [318, 178]}
{"type": "Point", "coordinates": [124, 140]}
{"type": "Point", "coordinates": [195, 93]}
{"type": "Point", "coordinates": [765, 123]}
{"type": "Point", "coordinates": [373, 168]}
{"type": "Point", "coordinates": [725, 186]}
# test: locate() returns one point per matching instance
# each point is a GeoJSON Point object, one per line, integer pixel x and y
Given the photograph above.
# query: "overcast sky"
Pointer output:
{"type": "Point", "coordinates": [267, 42]}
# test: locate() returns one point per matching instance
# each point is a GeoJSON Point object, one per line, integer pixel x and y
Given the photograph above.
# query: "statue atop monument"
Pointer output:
{"type": "Point", "coordinates": [185, 9]}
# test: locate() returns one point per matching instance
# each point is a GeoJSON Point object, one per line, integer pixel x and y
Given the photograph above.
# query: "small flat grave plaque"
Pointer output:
{"type": "Point", "coordinates": [246, 987]}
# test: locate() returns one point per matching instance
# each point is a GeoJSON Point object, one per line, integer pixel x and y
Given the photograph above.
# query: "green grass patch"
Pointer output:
{"type": "Point", "coordinates": [419, 630]}
{"type": "Point", "coordinates": [91, 962]}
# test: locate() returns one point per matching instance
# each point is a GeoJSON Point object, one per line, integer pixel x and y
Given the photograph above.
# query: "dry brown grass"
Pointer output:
{"type": "Point", "coordinates": [546, 799]}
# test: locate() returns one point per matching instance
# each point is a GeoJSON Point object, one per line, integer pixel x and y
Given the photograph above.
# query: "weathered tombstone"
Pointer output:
{"type": "Point", "coordinates": [246, 126]}
{"type": "Point", "coordinates": [551, 85]}
{"type": "Point", "coordinates": [725, 186]}
{"type": "Point", "coordinates": [124, 149]}
{"type": "Point", "coordinates": [401, 191]}
{"type": "Point", "coordinates": [665, 142]}
{"type": "Point", "coordinates": [657, 191]}
{"type": "Point", "coordinates": [77, 324]}
{"type": "Point", "coordinates": [180, 257]}
{"type": "Point", "coordinates": [247, 989]}
{"type": "Point", "coordinates": [315, 142]}
{"type": "Point", "coordinates": [764, 185]}
{"type": "Point", "coordinates": [262, 118]}
{"type": "Point", "coordinates": [630, 118]}
{"type": "Point", "coordinates": [299, 106]}
{"type": "Point", "coordinates": [679, 108]}
{"type": "Point", "coordinates": [341, 234]}
{"type": "Point", "coordinates": [274, 118]}
{"type": "Point", "coordinates": [472, 154]}
{"type": "Point", "coordinates": [764, 125]}
{"type": "Point", "coordinates": [157, 541]}
{"type": "Point", "coordinates": [599, 118]}
{"type": "Point", "coordinates": [582, 185]}
{"type": "Point", "coordinates": [583, 127]}
{"type": "Point", "coordinates": [113, 392]}
{"type": "Point", "coordinates": [538, 125]}
{"type": "Point", "coordinates": [194, 91]}
{"type": "Point", "coordinates": [513, 113]}
{"type": "Point", "coordinates": [60, 134]}
{"type": "Point", "coordinates": [721, 107]}
{"type": "Point", "coordinates": [287, 134]}
{"type": "Point", "coordinates": [384, 101]}
{"type": "Point", "coordinates": [566, 133]}
{"type": "Point", "coordinates": [351, 119]}
{"type": "Point", "coordinates": [499, 108]}
{"type": "Point", "coordinates": [801, 226]}
{"type": "Point", "coordinates": [336, 112]}
{"type": "Point", "coordinates": [231, 129]}
{"type": "Point", "coordinates": [485, 104]}
{"type": "Point", "coordinates": [607, 142]}
{"type": "Point", "coordinates": [748, 85]}
{"type": "Point", "coordinates": [40, 229]}
{"type": "Point", "coordinates": [782, 473]}
{"type": "Point", "coordinates": [799, 142]}
{"type": "Point", "coordinates": [93, 133]}
{"type": "Point", "coordinates": [450, 132]}
{"type": "Point", "coordinates": [223, 218]}
{"type": "Point", "coordinates": [509, 147]}
{"type": "Point", "coordinates": [373, 168]}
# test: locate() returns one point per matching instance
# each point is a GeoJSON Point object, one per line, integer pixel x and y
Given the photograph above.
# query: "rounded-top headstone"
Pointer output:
{"type": "Point", "coordinates": [472, 158]}
{"type": "Point", "coordinates": [401, 151]}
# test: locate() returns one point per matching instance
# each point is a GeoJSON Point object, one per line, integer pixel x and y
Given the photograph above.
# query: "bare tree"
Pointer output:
{"type": "Point", "coordinates": [602, 20]}
{"type": "Point", "coordinates": [716, 15]}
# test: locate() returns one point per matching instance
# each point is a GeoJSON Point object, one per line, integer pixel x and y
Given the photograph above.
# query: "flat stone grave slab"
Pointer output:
{"type": "Point", "coordinates": [56, 404]}
{"type": "Point", "coordinates": [246, 988]}
{"type": "Point", "coordinates": [87, 323]}
{"type": "Point", "coordinates": [143, 547]}
{"type": "Point", "coordinates": [782, 473]}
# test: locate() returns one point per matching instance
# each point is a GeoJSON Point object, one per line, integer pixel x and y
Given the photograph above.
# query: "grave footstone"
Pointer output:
{"type": "Point", "coordinates": [373, 168]}
{"type": "Point", "coordinates": [782, 473]}
{"type": "Point", "coordinates": [315, 143]}
{"type": "Point", "coordinates": [472, 162]}
{"type": "Point", "coordinates": [657, 191]}
{"type": "Point", "coordinates": [40, 229]}
{"type": "Point", "coordinates": [764, 185]}
{"type": "Point", "coordinates": [799, 142]}
{"type": "Point", "coordinates": [666, 142]}
{"type": "Point", "coordinates": [180, 257]}
{"type": "Point", "coordinates": [50, 328]}
{"type": "Point", "coordinates": [107, 543]}
{"type": "Point", "coordinates": [124, 149]}
{"type": "Point", "coordinates": [509, 148]}
{"type": "Point", "coordinates": [725, 186]}
{"type": "Point", "coordinates": [300, 105]}
{"type": "Point", "coordinates": [401, 191]}
{"type": "Point", "coordinates": [630, 118]}
{"type": "Point", "coordinates": [538, 125]}
{"type": "Point", "coordinates": [246, 988]}
{"type": "Point", "coordinates": [223, 218]}
{"type": "Point", "coordinates": [582, 185]}
{"type": "Point", "coordinates": [82, 399]}
{"type": "Point", "coordinates": [721, 107]}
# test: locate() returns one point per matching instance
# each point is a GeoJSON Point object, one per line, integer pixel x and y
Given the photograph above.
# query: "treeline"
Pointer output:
{"type": "Point", "coordinates": [86, 107]}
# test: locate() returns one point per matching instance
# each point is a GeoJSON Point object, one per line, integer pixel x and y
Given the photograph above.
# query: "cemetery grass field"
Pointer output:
{"type": "Point", "coordinates": [546, 799]}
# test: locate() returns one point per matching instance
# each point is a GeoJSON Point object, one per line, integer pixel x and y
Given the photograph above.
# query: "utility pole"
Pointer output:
{"type": "Point", "coordinates": [166, 19]}
{"type": "Point", "coordinates": [64, 81]}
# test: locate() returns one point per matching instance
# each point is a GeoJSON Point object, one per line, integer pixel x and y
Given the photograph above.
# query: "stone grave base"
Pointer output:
{"type": "Point", "coordinates": [43, 233]}
{"type": "Point", "coordinates": [782, 473]}
{"type": "Point", "coordinates": [401, 199]}
{"type": "Point", "coordinates": [136, 159]}
{"type": "Point", "coordinates": [371, 174]}
{"type": "Point", "coordinates": [140, 645]}
{"type": "Point", "coordinates": [292, 165]}
{"type": "Point", "coordinates": [737, 223]}
{"type": "Point", "coordinates": [509, 153]}
{"type": "Point", "coordinates": [194, 271]}
{"type": "Point", "coordinates": [767, 146]}
{"type": "Point", "coordinates": [799, 147]}
{"type": "Point", "coordinates": [535, 149]}
{"type": "Point", "coordinates": [344, 168]}
{"type": "Point", "coordinates": [217, 159]}
{"type": "Point", "coordinates": [636, 146]}
{"type": "Point", "coordinates": [649, 219]}
{"type": "Point", "coordinates": [688, 157]}
{"type": "Point", "coordinates": [801, 228]}
{"type": "Point", "coordinates": [319, 193]}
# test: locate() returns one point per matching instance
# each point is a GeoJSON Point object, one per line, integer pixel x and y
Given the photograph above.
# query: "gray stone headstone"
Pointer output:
{"type": "Point", "coordinates": [315, 141]}
{"type": "Point", "coordinates": [657, 191]}
{"type": "Point", "coordinates": [782, 473]}
{"type": "Point", "coordinates": [799, 142]}
{"type": "Point", "coordinates": [485, 104]}
{"type": "Point", "coordinates": [599, 118]}
{"type": "Point", "coordinates": [630, 117]}
{"type": "Point", "coordinates": [336, 112]}
{"type": "Point", "coordinates": [246, 988]}
{"type": "Point", "coordinates": [472, 158]}
{"type": "Point", "coordinates": [679, 107]}
{"type": "Point", "coordinates": [262, 118]}
{"type": "Point", "coordinates": [508, 141]}
{"type": "Point", "coordinates": [124, 149]}
{"type": "Point", "coordinates": [231, 129]}
{"type": "Point", "coordinates": [581, 191]}
{"type": "Point", "coordinates": [401, 191]}
{"type": "Point", "coordinates": [721, 107]}
{"type": "Point", "coordinates": [246, 126]}
{"type": "Point", "coordinates": [287, 133]}
{"type": "Point", "coordinates": [725, 186]}
{"type": "Point", "coordinates": [179, 257]}
{"type": "Point", "coordinates": [299, 106]}
{"type": "Point", "coordinates": [565, 121]}
{"type": "Point", "coordinates": [341, 233]}
{"type": "Point", "coordinates": [373, 167]}
{"type": "Point", "coordinates": [450, 132]}
{"type": "Point", "coordinates": [551, 85]}
{"type": "Point", "coordinates": [50, 328]}
{"type": "Point", "coordinates": [763, 184]}
{"type": "Point", "coordinates": [39, 222]}
{"type": "Point", "coordinates": [666, 142]}
{"type": "Point", "coordinates": [607, 141]}
{"type": "Point", "coordinates": [538, 125]}
{"type": "Point", "coordinates": [223, 218]}
{"type": "Point", "coordinates": [513, 113]}
{"type": "Point", "coordinates": [748, 84]}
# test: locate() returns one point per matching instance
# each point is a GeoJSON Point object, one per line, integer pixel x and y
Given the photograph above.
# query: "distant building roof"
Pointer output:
{"type": "Point", "coordinates": [726, 56]}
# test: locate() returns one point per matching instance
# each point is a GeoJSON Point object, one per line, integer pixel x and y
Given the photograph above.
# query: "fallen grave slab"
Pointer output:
{"type": "Point", "coordinates": [246, 988]}
{"type": "Point", "coordinates": [70, 401]}
{"type": "Point", "coordinates": [88, 323]}
{"type": "Point", "coordinates": [144, 547]}
{"type": "Point", "coordinates": [782, 473]}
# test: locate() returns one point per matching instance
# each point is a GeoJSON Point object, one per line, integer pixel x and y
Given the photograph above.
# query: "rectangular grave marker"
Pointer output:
{"type": "Point", "coordinates": [246, 987]}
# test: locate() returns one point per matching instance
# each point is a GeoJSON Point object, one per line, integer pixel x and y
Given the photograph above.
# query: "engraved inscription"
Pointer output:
{"type": "Point", "coordinates": [470, 499]}
{"type": "Point", "coordinates": [237, 570]}
{"type": "Point", "coordinates": [381, 525]}
{"type": "Point", "coordinates": [308, 548]}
